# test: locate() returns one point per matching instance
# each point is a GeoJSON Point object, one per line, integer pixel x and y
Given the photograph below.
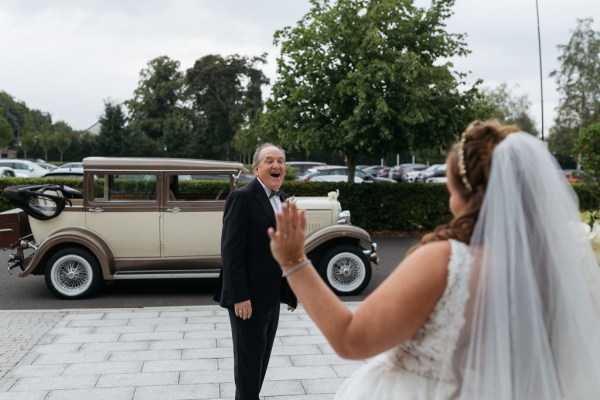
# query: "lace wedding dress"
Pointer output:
{"type": "Point", "coordinates": [412, 370]}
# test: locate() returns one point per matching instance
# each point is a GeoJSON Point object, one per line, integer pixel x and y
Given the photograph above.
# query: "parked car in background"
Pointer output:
{"type": "Point", "coordinates": [398, 172]}
{"type": "Point", "coordinates": [69, 170]}
{"type": "Point", "coordinates": [374, 169]}
{"type": "Point", "coordinates": [436, 175]}
{"type": "Point", "coordinates": [572, 175]}
{"type": "Point", "coordinates": [7, 172]}
{"type": "Point", "coordinates": [144, 218]}
{"type": "Point", "coordinates": [72, 165]}
{"type": "Point", "coordinates": [338, 173]}
{"type": "Point", "coordinates": [302, 166]}
{"type": "Point", "coordinates": [24, 168]}
{"type": "Point", "coordinates": [64, 173]}
{"type": "Point", "coordinates": [435, 170]}
{"type": "Point", "coordinates": [44, 164]}
{"type": "Point", "coordinates": [437, 179]}
{"type": "Point", "coordinates": [384, 172]}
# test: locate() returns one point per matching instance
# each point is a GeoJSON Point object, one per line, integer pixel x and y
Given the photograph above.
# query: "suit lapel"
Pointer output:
{"type": "Point", "coordinates": [263, 200]}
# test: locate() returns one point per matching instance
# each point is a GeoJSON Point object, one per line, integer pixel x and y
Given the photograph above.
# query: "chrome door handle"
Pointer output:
{"type": "Point", "coordinates": [97, 210]}
{"type": "Point", "coordinates": [174, 209]}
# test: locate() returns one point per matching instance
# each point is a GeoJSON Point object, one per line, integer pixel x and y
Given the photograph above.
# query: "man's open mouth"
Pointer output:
{"type": "Point", "coordinates": [275, 174]}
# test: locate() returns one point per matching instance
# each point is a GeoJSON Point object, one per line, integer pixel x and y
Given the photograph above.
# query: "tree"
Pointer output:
{"type": "Point", "coordinates": [28, 139]}
{"type": "Point", "coordinates": [114, 136]}
{"type": "Point", "coordinates": [6, 133]}
{"type": "Point", "coordinates": [178, 140]}
{"type": "Point", "coordinates": [225, 94]}
{"type": "Point", "coordinates": [61, 137]}
{"type": "Point", "coordinates": [578, 85]}
{"type": "Point", "coordinates": [588, 146]}
{"type": "Point", "coordinates": [44, 136]}
{"type": "Point", "coordinates": [507, 107]}
{"type": "Point", "coordinates": [157, 96]}
{"type": "Point", "coordinates": [369, 77]}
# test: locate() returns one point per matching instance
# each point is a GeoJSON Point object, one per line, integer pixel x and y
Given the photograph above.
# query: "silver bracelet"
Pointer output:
{"type": "Point", "coordinates": [295, 268]}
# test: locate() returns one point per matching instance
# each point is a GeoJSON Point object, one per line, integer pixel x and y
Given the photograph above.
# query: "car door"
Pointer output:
{"type": "Point", "coordinates": [192, 215]}
{"type": "Point", "coordinates": [123, 210]}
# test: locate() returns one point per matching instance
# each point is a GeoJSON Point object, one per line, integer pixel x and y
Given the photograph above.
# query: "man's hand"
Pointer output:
{"type": "Point", "coordinates": [243, 310]}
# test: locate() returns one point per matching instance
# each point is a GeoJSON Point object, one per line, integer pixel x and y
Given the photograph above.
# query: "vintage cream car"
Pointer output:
{"type": "Point", "coordinates": [157, 218]}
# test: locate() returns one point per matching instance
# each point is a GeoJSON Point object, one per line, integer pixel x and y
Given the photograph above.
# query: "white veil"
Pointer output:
{"type": "Point", "coordinates": [531, 330]}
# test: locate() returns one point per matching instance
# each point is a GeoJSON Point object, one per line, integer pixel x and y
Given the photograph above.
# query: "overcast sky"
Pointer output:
{"type": "Point", "coordinates": [67, 57]}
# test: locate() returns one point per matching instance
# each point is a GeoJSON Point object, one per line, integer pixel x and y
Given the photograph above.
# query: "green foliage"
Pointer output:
{"type": "Point", "coordinates": [115, 137]}
{"type": "Point", "coordinates": [501, 104]}
{"type": "Point", "coordinates": [6, 133]}
{"type": "Point", "coordinates": [225, 95]}
{"type": "Point", "coordinates": [578, 85]}
{"type": "Point", "coordinates": [588, 146]}
{"type": "Point", "coordinates": [157, 96]}
{"type": "Point", "coordinates": [369, 77]}
{"type": "Point", "coordinates": [27, 141]}
{"type": "Point", "coordinates": [61, 138]}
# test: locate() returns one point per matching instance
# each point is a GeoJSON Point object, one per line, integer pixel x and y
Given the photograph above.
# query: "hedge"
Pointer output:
{"type": "Point", "coordinates": [405, 207]}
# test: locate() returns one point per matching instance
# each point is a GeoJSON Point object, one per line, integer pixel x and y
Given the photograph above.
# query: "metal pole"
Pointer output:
{"type": "Point", "coordinates": [540, 56]}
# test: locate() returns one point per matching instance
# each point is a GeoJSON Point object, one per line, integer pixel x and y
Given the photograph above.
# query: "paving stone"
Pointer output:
{"type": "Point", "coordinates": [179, 365]}
{"type": "Point", "coordinates": [178, 392]}
{"type": "Point", "coordinates": [138, 379]}
{"type": "Point", "coordinates": [92, 394]}
{"type": "Point", "coordinates": [114, 367]}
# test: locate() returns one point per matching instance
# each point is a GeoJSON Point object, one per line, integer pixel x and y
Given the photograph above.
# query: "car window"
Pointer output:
{"type": "Point", "coordinates": [198, 187]}
{"type": "Point", "coordinates": [125, 187]}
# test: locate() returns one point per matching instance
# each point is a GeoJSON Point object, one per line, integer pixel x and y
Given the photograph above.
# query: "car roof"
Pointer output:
{"type": "Point", "coordinates": [141, 163]}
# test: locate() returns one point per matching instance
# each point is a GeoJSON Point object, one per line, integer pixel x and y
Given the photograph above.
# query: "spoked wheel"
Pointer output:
{"type": "Point", "coordinates": [72, 273]}
{"type": "Point", "coordinates": [346, 269]}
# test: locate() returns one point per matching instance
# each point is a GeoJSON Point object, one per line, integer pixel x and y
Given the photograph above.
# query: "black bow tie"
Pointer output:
{"type": "Point", "coordinates": [275, 193]}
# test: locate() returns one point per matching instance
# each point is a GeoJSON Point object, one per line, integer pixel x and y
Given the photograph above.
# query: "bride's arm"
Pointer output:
{"type": "Point", "coordinates": [394, 312]}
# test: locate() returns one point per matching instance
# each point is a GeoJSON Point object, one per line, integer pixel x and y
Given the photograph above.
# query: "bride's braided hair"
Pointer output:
{"type": "Point", "coordinates": [469, 163]}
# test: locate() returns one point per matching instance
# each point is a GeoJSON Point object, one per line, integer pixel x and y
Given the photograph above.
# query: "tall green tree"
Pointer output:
{"type": "Point", "coordinates": [44, 137]}
{"type": "Point", "coordinates": [578, 82]}
{"type": "Point", "coordinates": [369, 77]}
{"type": "Point", "coordinates": [225, 94]}
{"type": "Point", "coordinates": [6, 133]}
{"type": "Point", "coordinates": [114, 137]}
{"type": "Point", "coordinates": [588, 145]}
{"type": "Point", "coordinates": [178, 139]}
{"type": "Point", "coordinates": [157, 97]}
{"type": "Point", "coordinates": [61, 138]}
{"type": "Point", "coordinates": [28, 139]}
{"type": "Point", "coordinates": [509, 108]}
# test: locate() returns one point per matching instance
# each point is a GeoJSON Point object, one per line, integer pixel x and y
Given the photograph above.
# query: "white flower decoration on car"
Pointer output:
{"type": "Point", "coordinates": [333, 196]}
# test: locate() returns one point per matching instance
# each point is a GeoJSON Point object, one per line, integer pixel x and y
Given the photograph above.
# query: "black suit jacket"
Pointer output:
{"type": "Point", "coordinates": [249, 270]}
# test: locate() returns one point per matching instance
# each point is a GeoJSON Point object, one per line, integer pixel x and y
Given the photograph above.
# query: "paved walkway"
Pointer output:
{"type": "Point", "coordinates": [155, 353]}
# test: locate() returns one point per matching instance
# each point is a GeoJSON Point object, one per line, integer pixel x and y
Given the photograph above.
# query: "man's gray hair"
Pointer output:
{"type": "Point", "coordinates": [256, 159]}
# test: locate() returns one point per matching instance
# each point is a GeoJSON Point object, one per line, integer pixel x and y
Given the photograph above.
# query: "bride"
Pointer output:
{"type": "Point", "coordinates": [500, 303]}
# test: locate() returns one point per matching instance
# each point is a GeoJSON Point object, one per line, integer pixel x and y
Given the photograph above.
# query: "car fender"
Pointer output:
{"type": "Point", "coordinates": [75, 236]}
{"type": "Point", "coordinates": [331, 235]}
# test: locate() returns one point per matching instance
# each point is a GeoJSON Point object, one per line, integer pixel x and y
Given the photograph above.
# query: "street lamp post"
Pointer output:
{"type": "Point", "coordinates": [537, 12]}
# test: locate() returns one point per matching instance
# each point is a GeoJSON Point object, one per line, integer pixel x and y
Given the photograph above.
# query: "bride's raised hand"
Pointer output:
{"type": "Point", "coordinates": [287, 240]}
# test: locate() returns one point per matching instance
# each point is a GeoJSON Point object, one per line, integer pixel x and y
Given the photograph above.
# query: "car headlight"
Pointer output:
{"type": "Point", "coordinates": [344, 218]}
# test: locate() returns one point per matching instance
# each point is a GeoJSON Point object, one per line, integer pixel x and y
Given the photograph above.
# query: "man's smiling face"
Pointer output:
{"type": "Point", "coordinates": [270, 168]}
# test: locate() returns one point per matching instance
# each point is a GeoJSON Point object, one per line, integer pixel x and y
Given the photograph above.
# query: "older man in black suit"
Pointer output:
{"type": "Point", "coordinates": [250, 285]}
